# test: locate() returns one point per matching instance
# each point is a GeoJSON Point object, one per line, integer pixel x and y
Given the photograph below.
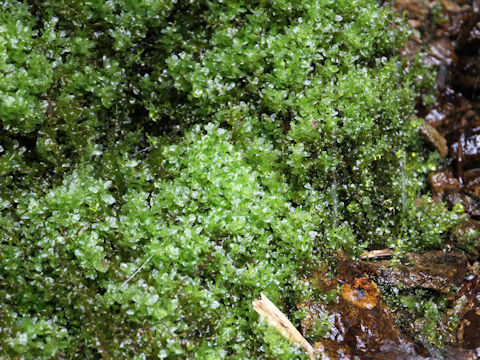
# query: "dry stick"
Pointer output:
{"type": "Point", "coordinates": [140, 268]}
{"type": "Point", "coordinates": [279, 321]}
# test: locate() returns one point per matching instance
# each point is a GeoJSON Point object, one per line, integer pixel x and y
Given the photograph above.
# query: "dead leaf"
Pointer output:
{"type": "Point", "coordinates": [376, 254]}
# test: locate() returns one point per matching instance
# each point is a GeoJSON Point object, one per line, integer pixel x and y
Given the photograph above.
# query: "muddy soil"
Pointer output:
{"type": "Point", "coordinates": [447, 33]}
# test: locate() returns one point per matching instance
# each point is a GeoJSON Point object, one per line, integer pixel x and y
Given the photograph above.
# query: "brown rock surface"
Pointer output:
{"type": "Point", "coordinates": [363, 326]}
{"type": "Point", "coordinates": [441, 52]}
{"type": "Point", "coordinates": [363, 293]}
{"type": "Point", "coordinates": [434, 138]}
{"type": "Point", "coordinates": [467, 307]}
{"type": "Point", "coordinates": [435, 270]}
{"type": "Point", "coordinates": [441, 182]}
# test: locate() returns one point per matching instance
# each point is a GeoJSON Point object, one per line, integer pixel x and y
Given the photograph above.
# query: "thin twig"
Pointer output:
{"type": "Point", "coordinates": [139, 152]}
{"type": "Point", "coordinates": [135, 273]}
{"type": "Point", "coordinates": [266, 309]}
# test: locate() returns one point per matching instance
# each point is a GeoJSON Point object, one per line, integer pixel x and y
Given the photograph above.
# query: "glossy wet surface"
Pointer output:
{"type": "Point", "coordinates": [364, 326]}
{"type": "Point", "coordinates": [452, 45]}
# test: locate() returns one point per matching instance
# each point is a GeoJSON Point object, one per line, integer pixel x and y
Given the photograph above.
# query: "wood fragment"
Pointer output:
{"type": "Point", "coordinates": [279, 321]}
{"type": "Point", "coordinates": [461, 139]}
{"type": "Point", "coordinates": [374, 254]}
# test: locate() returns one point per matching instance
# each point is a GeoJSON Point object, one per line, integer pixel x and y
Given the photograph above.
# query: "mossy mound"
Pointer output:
{"type": "Point", "coordinates": [164, 162]}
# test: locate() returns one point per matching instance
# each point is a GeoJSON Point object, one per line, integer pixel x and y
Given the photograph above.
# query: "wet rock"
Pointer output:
{"type": "Point", "coordinates": [435, 270]}
{"type": "Point", "coordinates": [471, 204]}
{"type": "Point", "coordinates": [417, 9]}
{"type": "Point", "coordinates": [449, 108]}
{"type": "Point", "coordinates": [461, 354]}
{"type": "Point", "coordinates": [434, 138]}
{"type": "Point", "coordinates": [472, 179]}
{"type": "Point", "coordinates": [363, 293]}
{"type": "Point", "coordinates": [473, 188]}
{"type": "Point", "coordinates": [435, 116]}
{"type": "Point", "coordinates": [410, 50]}
{"type": "Point", "coordinates": [470, 149]}
{"type": "Point", "coordinates": [466, 74]}
{"type": "Point", "coordinates": [453, 27]}
{"type": "Point", "coordinates": [441, 52]}
{"type": "Point", "coordinates": [467, 307]}
{"type": "Point", "coordinates": [474, 268]}
{"type": "Point", "coordinates": [453, 7]}
{"type": "Point", "coordinates": [414, 23]}
{"type": "Point", "coordinates": [442, 181]}
{"type": "Point", "coordinates": [465, 229]}
{"type": "Point", "coordinates": [465, 35]}
{"type": "Point", "coordinates": [363, 327]}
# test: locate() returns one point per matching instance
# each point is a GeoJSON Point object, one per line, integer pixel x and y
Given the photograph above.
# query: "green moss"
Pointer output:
{"type": "Point", "coordinates": [220, 149]}
{"type": "Point", "coordinates": [432, 326]}
{"type": "Point", "coordinates": [216, 231]}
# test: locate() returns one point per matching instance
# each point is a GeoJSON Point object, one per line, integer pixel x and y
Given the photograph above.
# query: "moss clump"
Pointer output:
{"type": "Point", "coordinates": [219, 147]}
{"type": "Point", "coordinates": [432, 326]}
{"type": "Point", "coordinates": [211, 232]}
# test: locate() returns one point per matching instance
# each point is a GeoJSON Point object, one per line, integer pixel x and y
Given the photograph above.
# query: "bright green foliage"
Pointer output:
{"type": "Point", "coordinates": [220, 148]}
{"type": "Point", "coordinates": [215, 230]}
{"type": "Point", "coordinates": [26, 73]}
